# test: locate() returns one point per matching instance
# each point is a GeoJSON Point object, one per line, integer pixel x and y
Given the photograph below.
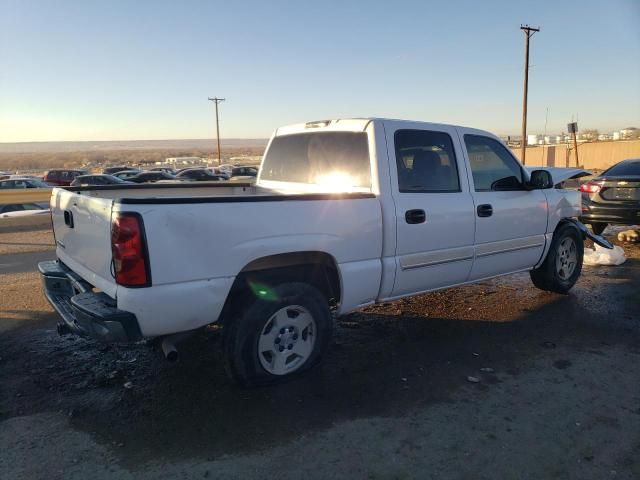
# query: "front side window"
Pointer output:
{"type": "Point", "coordinates": [337, 160]}
{"type": "Point", "coordinates": [492, 166]}
{"type": "Point", "coordinates": [426, 162]}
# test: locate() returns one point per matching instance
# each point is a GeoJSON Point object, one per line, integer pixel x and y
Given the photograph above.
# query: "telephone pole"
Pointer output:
{"type": "Point", "coordinates": [217, 100]}
{"type": "Point", "coordinates": [529, 32]}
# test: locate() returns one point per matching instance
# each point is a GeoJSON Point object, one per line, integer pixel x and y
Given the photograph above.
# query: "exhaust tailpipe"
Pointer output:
{"type": "Point", "coordinates": [169, 349]}
{"type": "Point", "coordinates": [168, 344]}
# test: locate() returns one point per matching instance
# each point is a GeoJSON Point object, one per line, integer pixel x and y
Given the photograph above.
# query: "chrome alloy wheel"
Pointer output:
{"type": "Point", "coordinates": [566, 258]}
{"type": "Point", "coordinates": [287, 340]}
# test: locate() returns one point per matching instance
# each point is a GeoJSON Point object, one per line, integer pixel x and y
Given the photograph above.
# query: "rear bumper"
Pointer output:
{"type": "Point", "coordinates": [616, 214]}
{"type": "Point", "coordinates": [85, 312]}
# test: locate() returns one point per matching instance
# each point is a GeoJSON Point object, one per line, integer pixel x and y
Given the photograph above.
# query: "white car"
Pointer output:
{"type": "Point", "coordinates": [344, 214]}
{"type": "Point", "coordinates": [23, 210]}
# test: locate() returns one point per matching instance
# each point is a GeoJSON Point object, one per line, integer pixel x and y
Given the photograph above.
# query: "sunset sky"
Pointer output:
{"type": "Point", "coordinates": [122, 70]}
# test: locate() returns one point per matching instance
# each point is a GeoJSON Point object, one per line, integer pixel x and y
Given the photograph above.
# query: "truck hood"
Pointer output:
{"type": "Point", "coordinates": [560, 175]}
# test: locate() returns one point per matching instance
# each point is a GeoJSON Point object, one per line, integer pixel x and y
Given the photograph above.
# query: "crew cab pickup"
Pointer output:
{"type": "Point", "coordinates": [344, 213]}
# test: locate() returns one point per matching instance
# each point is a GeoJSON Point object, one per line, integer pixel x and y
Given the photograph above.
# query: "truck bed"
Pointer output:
{"type": "Point", "coordinates": [200, 236]}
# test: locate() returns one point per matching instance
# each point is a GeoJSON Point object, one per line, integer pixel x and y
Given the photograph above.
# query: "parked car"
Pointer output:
{"type": "Point", "coordinates": [613, 197]}
{"type": "Point", "coordinates": [168, 170]}
{"type": "Point", "coordinates": [244, 172]}
{"type": "Point", "coordinates": [127, 174]}
{"type": "Point", "coordinates": [149, 177]}
{"type": "Point", "coordinates": [199, 174]}
{"type": "Point", "coordinates": [23, 183]}
{"type": "Point", "coordinates": [34, 177]}
{"type": "Point", "coordinates": [192, 167]}
{"type": "Point", "coordinates": [345, 213]}
{"type": "Point", "coordinates": [112, 170]}
{"type": "Point", "coordinates": [223, 173]}
{"type": "Point", "coordinates": [225, 169]}
{"type": "Point", "coordinates": [99, 179]}
{"type": "Point", "coordinates": [62, 177]}
{"type": "Point", "coordinates": [23, 209]}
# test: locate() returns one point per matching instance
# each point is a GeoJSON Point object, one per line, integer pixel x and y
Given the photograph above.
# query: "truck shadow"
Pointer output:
{"type": "Point", "coordinates": [379, 365]}
{"type": "Point", "coordinates": [383, 362]}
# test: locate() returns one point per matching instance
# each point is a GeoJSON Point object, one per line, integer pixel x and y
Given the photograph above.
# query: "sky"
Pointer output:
{"type": "Point", "coordinates": [125, 70]}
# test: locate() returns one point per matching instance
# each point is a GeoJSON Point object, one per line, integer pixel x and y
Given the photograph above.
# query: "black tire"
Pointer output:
{"type": "Point", "coordinates": [547, 276]}
{"type": "Point", "coordinates": [598, 228]}
{"type": "Point", "coordinates": [242, 333]}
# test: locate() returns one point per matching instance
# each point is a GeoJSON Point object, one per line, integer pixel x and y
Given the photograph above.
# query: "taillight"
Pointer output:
{"type": "Point", "coordinates": [591, 187]}
{"type": "Point", "coordinates": [129, 250]}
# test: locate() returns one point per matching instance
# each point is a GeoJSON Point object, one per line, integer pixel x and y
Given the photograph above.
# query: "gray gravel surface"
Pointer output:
{"type": "Point", "coordinates": [557, 395]}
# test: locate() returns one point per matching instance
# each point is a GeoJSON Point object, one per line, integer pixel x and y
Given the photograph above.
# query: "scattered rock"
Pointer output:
{"type": "Point", "coordinates": [487, 370]}
{"type": "Point", "coordinates": [350, 325]}
{"type": "Point", "coordinates": [404, 379]}
{"type": "Point", "coordinates": [561, 364]}
{"type": "Point", "coordinates": [128, 385]}
{"type": "Point", "coordinates": [473, 379]}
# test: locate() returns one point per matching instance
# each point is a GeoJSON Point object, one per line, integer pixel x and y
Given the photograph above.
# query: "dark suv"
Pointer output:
{"type": "Point", "coordinates": [62, 178]}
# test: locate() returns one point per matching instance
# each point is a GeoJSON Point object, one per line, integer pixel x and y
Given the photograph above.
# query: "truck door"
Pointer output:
{"type": "Point", "coordinates": [434, 209]}
{"type": "Point", "coordinates": [511, 221]}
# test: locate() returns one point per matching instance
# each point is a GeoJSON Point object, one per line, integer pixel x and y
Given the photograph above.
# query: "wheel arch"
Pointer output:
{"type": "Point", "coordinates": [316, 268]}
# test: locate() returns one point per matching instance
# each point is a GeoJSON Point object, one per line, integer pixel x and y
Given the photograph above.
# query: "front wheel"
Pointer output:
{"type": "Point", "coordinates": [561, 269]}
{"type": "Point", "coordinates": [278, 336]}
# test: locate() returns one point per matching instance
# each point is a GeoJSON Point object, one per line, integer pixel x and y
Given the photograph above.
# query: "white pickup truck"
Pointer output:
{"type": "Point", "coordinates": [344, 213]}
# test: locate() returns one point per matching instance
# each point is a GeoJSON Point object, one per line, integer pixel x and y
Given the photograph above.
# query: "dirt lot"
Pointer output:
{"type": "Point", "coordinates": [558, 394]}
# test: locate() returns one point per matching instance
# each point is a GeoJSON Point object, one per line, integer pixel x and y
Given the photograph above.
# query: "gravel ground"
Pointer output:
{"type": "Point", "coordinates": [557, 392]}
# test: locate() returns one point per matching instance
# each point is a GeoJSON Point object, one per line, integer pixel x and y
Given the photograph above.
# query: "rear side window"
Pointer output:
{"type": "Point", "coordinates": [624, 168]}
{"type": "Point", "coordinates": [426, 162]}
{"type": "Point", "coordinates": [335, 159]}
{"type": "Point", "coordinates": [492, 166]}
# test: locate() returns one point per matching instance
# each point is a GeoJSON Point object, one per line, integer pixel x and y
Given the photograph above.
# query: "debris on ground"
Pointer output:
{"type": "Point", "coordinates": [604, 256]}
{"type": "Point", "coordinates": [631, 236]}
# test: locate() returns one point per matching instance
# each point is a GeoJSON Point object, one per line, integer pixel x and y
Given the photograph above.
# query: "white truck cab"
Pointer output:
{"type": "Point", "coordinates": [344, 213]}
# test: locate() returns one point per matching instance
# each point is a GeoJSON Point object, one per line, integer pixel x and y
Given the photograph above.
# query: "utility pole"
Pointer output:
{"type": "Point", "coordinates": [529, 32]}
{"type": "Point", "coordinates": [217, 100]}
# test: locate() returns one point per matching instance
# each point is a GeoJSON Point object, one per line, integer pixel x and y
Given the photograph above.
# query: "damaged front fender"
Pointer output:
{"type": "Point", "coordinates": [586, 233]}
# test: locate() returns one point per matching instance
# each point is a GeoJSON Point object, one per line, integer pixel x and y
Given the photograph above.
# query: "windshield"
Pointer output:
{"type": "Point", "coordinates": [337, 161]}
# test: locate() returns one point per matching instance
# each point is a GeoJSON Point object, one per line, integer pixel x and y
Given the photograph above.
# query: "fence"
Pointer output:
{"type": "Point", "coordinates": [592, 156]}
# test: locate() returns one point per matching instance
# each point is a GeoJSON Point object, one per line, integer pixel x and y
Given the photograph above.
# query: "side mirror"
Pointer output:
{"type": "Point", "coordinates": [540, 180]}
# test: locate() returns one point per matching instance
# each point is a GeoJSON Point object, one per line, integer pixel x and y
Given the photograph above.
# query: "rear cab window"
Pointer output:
{"type": "Point", "coordinates": [335, 161]}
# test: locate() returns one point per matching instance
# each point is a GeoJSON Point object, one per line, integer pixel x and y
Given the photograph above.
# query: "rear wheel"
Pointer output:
{"type": "Point", "coordinates": [278, 337]}
{"type": "Point", "coordinates": [598, 228]}
{"type": "Point", "coordinates": [562, 267]}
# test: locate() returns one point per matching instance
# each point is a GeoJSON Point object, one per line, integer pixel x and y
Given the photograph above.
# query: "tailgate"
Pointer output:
{"type": "Point", "coordinates": [82, 227]}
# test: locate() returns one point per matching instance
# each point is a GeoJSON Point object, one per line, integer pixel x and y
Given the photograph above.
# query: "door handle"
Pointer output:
{"type": "Point", "coordinates": [485, 210]}
{"type": "Point", "coordinates": [415, 216]}
{"type": "Point", "coordinates": [68, 218]}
